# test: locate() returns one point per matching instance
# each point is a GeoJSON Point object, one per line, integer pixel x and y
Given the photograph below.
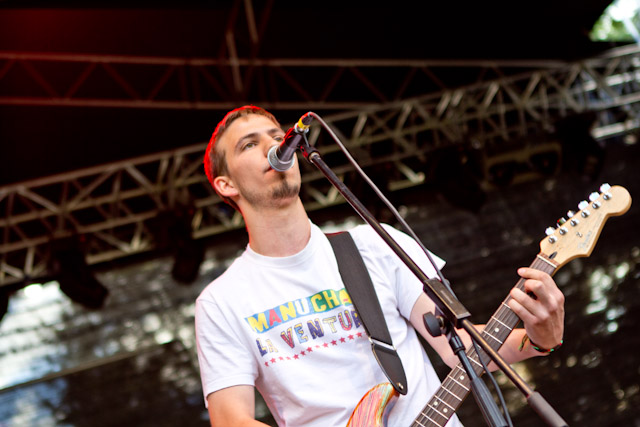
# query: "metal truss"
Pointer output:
{"type": "Point", "coordinates": [85, 80]}
{"type": "Point", "coordinates": [235, 75]}
{"type": "Point", "coordinates": [507, 119]}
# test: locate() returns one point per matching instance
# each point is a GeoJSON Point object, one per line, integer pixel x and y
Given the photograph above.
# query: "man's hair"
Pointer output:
{"type": "Point", "coordinates": [215, 163]}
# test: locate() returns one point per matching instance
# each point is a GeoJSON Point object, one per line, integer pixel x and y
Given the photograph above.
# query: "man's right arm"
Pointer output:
{"type": "Point", "coordinates": [233, 406]}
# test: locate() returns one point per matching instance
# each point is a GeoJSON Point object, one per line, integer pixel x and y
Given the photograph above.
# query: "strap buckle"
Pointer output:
{"type": "Point", "coordinates": [388, 359]}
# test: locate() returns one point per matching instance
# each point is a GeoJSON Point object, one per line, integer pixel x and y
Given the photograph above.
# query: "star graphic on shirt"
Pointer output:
{"type": "Point", "coordinates": [325, 345]}
{"type": "Point", "coordinates": [350, 337]}
{"type": "Point", "coordinates": [273, 360]}
{"type": "Point", "coordinates": [343, 339]}
{"type": "Point", "coordinates": [295, 356]}
{"type": "Point", "coordinates": [359, 334]}
{"type": "Point", "coordinates": [309, 349]}
{"type": "Point", "coordinates": [266, 363]}
{"type": "Point", "coordinates": [334, 342]}
{"type": "Point", "coordinates": [303, 353]}
{"type": "Point", "coordinates": [281, 358]}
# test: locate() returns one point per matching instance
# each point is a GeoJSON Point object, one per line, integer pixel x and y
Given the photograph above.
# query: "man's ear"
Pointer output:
{"type": "Point", "coordinates": [224, 186]}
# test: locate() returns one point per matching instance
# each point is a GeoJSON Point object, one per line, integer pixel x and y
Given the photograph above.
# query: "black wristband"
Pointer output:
{"type": "Point", "coordinates": [536, 347]}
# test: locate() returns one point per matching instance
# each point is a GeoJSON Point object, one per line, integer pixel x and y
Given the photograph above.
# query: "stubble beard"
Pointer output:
{"type": "Point", "coordinates": [283, 191]}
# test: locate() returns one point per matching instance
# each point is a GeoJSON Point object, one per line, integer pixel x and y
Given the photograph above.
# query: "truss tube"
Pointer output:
{"type": "Point", "coordinates": [117, 218]}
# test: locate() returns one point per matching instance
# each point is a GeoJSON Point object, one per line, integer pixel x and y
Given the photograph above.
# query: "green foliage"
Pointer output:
{"type": "Point", "coordinates": [611, 26]}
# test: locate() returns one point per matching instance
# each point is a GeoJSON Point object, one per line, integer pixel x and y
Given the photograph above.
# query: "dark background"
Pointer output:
{"type": "Point", "coordinates": [40, 141]}
{"type": "Point", "coordinates": [594, 380]}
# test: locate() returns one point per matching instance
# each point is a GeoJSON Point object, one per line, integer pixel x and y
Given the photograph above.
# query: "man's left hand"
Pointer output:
{"type": "Point", "coordinates": [540, 306]}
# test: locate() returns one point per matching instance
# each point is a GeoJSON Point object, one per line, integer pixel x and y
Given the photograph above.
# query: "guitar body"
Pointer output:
{"type": "Point", "coordinates": [374, 407]}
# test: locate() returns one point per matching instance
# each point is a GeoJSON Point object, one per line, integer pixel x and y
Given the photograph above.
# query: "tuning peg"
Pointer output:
{"type": "Point", "coordinates": [583, 205]}
{"type": "Point", "coordinates": [562, 230]}
{"type": "Point", "coordinates": [550, 232]}
{"type": "Point", "coordinates": [573, 221]}
{"type": "Point", "coordinates": [604, 188]}
{"type": "Point", "coordinates": [594, 198]}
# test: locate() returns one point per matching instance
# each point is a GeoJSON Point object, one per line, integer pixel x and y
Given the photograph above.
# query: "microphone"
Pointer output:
{"type": "Point", "coordinates": [280, 157]}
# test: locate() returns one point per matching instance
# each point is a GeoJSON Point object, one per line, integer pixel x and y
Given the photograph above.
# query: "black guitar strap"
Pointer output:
{"type": "Point", "coordinates": [365, 300]}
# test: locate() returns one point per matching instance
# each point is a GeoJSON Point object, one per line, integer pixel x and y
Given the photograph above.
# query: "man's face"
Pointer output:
{"type": "Point", "coordinates": [245, 145]}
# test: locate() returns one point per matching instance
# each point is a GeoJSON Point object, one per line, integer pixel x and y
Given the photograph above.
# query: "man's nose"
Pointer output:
{"type": "Point", "coordinates": [268, 144]}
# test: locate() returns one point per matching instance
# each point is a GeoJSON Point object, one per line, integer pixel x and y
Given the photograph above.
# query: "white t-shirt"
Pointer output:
{"type": "Point", "coordinates": [287, 326]}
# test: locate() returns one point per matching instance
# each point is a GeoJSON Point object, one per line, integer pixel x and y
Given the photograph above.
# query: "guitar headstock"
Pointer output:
{"type": "Point", "coordinates": [577, 235]}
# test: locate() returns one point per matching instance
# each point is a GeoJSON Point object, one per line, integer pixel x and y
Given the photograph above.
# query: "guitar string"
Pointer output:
{"type": "Point", "coordinates": [505, 316]}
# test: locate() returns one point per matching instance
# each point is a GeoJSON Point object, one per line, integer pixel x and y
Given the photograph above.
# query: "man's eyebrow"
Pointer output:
{"type": "Point", "coordinates": [247, 136]}
{"type": "Point", "coordinates": [274, 131]}
{"type": "Point", "coordinates": [270, 132]}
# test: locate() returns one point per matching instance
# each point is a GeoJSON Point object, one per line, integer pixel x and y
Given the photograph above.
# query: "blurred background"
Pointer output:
{"type": "Point", "coordinates": [482, 123]}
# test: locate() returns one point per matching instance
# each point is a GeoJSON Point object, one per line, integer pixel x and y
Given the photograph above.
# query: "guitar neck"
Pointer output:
{"type": "Point", "coordinates": [456, 386]}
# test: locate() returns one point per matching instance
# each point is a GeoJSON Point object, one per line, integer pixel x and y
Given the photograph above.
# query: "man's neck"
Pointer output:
{"type": "Point", "coordinates": [278, 232]}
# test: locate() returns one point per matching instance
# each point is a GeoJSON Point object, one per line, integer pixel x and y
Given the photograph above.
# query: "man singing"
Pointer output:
{"type": "Point", "coordinates": [279, 318]}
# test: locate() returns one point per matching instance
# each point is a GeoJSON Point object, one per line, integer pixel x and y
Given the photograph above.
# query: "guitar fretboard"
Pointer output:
{"type": "Point", "coordinates": [456, 385]}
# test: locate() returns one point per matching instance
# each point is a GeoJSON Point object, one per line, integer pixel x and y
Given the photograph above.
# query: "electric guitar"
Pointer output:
{"type": "Point", "coordinates": [574, 237]}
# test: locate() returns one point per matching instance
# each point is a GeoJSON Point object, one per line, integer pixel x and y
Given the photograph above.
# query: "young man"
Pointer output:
{"type": "Point", "coordinates": [279, 319]}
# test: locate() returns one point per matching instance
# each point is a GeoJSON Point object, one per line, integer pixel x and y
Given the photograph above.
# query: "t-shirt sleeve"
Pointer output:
{"type": "Point", "coordinates": [409, 287]}
{"type": "Point", "coordinates": [223, 357]}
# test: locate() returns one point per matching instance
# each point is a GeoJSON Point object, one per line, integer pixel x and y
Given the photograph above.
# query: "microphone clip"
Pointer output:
{"type": "Point", "coordinates": [281, 158]}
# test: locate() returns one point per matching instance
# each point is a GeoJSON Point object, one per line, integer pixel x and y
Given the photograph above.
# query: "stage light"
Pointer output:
{"type": "Point", "coordinates": [188, 257]}
{"type": "Point", "coordinates": [581, 153]}
{"type": "Point", "coordinates": [546, 163]}
{"type": "Point", "coordinates": [174, 234]}
{"type": "Point", "coordinates": [502, 174]}
{"type": "Point", "coordinates": [522, 163]}
{"type": "Point", "coordinates": [74, 276]}
{"type": "Point", "coordinates": [4, 302]}
{"type": "Point", "coordinates": [456, 178]}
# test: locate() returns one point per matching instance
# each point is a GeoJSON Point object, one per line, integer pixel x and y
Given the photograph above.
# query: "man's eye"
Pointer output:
{"type": "Point", "coordinates": [249, 145]}
{"type": "Point", "coordinates": [278, 138]}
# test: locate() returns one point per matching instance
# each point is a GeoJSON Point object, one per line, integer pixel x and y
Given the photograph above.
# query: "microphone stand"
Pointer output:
{"type": "Point", "coordinates": [451, 310]}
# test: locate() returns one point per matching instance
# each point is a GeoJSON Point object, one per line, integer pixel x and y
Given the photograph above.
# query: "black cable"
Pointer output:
{"type": "Point", "coordinates": [505, 412]}
{"type": "Point", "coordinates": [410, 231]}
{"type": "Point", "coordinates": [382, 197]}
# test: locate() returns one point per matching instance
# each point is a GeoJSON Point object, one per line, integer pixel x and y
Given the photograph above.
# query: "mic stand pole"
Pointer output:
{"type": "Point", "coordinates": [452, 310]}
{"type": "Point", "coordinates": [534, 399]}
{"type": "Point", "coordinates": [488, 407]}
